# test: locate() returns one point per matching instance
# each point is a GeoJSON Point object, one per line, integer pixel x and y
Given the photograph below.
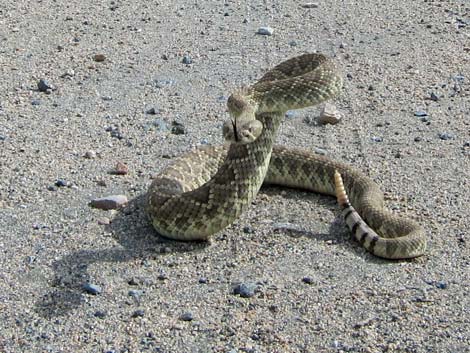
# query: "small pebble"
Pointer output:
{"type": "Point", "coordinates": [293, 43]}
{"type": "Point", "coordinates": [92, 288]}
{"type": "Point", "coordinates": [43, 85]}
{"type": "Point", "coordinates": [186, 317]}
{"type": "Point", "coordinates": [377, 138]}
{"type": "Point", "coordinates": [310, 5]}
{"type": "Point", "coordinates": [120, 169]}
{"type": "Point", "coordinates": [61, 183]}
{"type": "Point", "coordinates": [99, 57]}
{"type": "Point", "coordinates": [138, 313]}
{"type": "Point", "coordinates": [265, 31]}
{"type": "Point", "coordinates": [100, 314]}
{"type": "Point", "coordinates": [187, 60]}
{"type": "Point", "coordinates": [420, 113]}
{"type": "Point", "coordinates": [320, 151]}
{"type": "Point", "coordinates": [446, 136]}
{"type": "Point", "coordinates": [329, 115]}
{"type": "Point", "coordinates": [111, 202]}
{"type": "Point", "coordinates": [441, 285]}
{"type": "Point", "coordinates": [52, 188]}
{"type": "Point", "coordinates": [418, 139]}
{"type": "Point", "coordinates": [177, 128]}
{"type": "Point", "coordinates": [245, 290]}
{"type": "Point", "coordinates": [248, 230]}
{"type": "Point", "coordinates": [104, 221]}
{"type": "Point", "coordinates": [433, 97]}
{"type": "Point", "coordinates": [35, 102]}
{"type": "Point", "coordinates": [107, 98]}
{"type": "Point", "coordinates": [90, 154]}
{"type": "Point", "coordinates": [203, 280]}
{"type": "Point", "coordinates": [135, 293]}
{"type": "Point", "coordinates": [308, 280]}
{"type": "Point", "coordinates": [152, 111]}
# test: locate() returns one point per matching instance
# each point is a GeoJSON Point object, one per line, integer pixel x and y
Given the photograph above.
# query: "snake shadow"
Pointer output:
{"type": "Point", "coordinates": [338, 234]}
{"type": "Point", "coordinates": [131, 228]}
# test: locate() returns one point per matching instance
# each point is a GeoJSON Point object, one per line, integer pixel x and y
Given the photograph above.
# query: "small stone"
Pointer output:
{"type": "Point", "coordinates": [120, 169]}
{"type": "Point", "coordinates": [104, 221]}
{"type": "Point", "coordinates": [329, 115]}
{"type": "Point", "coordinates": [178, 128]}
{"type": "Point", "coordinates": [90, 154]}
{"type": "Point", "coordinates": [162, 276]}
{"type": "Point", "coordinates": [291, 114]}
{"type": "Point", "coordinates": [308, 280]}
{"type": "Point", "coordinates": [320, 151]}
{"type": "Point", "coordinates": [293, 43]}
{"type": "Point", "coordinates": [35, 102]}
{"type": "Point", "coordinates": [152, 111]}
{"type": "Point", "coordinates": [441, 285]}
{"type": "Point", "coordinates": [434, 97]}
{"type": "Point", "coordinates": [420, 113]}
{"type": "Point", "coordinates": [100, 314]}
{"type": "Point", "coordinates": [245, 290]}
{"type": "Point", "coordinates": [248, 230]}
{"type": "Point", "coordinates": [43, 85]}
{"type": "Point", "coordinates": [138, 313]}
{"type": "Point", "coordinates": [265, 31]}
{"type": "Point", "coordinates": [91, 288]}
{"type": "Point", "coordinates": [377, 138]}
{"type": "Point", "coordinates": [107, 98]}
{"type": "Point", "coordinates": [310, 5]}
{"type": "Point", "coordinates": [99, 57]}
{"type": "Point", "coordinates": [466, 144]}
{"type": "Point", "coordinates": [446, 136]}
{"type": "Point", "coordinates": [135, 293]}
{"type": "Point", "coordinates": [342, 45]}
{"type": "Point", "coordinates": [61, 183]}
{"type": "Point", "coordinates": [163, 83]}
{"type": "Point", "coordinates": [186, 317]}
{"type": "Point", "coordinates": [203, 280]}
{"type": "Point", "coordinates": [187, 60]}
{"type": "Point", "coordinates": [111, 202]}
{"type": "Point", "coordinates": [52, 188]}
{"type": "Point", "coordinates": [418, 139]}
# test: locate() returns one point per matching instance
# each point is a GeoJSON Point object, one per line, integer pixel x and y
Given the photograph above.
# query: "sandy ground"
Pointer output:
{"type": "Point", "coordinates": [399, 58]}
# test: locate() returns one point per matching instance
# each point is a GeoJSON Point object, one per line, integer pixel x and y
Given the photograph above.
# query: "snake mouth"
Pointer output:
{"type": "Point", "coordinates": [235, 135]}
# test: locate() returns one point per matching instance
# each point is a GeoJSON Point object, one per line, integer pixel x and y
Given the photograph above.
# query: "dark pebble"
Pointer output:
{"type": "Point", "coordinates": [162, 276]}
{"type": "Point", "coordinates": [441, 285]}
{"type": "Point", "coordinates": [187, 60]}
{"type": "Point", "coordinates": [466, 144]}
{"type": "Point", "coordinates": [178, 128]}
{"type": "Point", "coordinates": [203, 280]}
{"type": "Point", "coordinates": [186, 317]}
{"type": "Point", "coordinates": [245, 290]}
{"type": "Point", "coordinates": [152, 111]}
{"type": "Point", "coordinates": [434, 97]}
{"type": "Point", "coordinates": [52, 188]}
{"type": "Point", "coordinates": [308, 280]}
{"type": "Point", "coordinates": [92, 288]}
{"type": "Point", "coordinates": [138, 313]}
{"type": "Point", "coordinates": [36, 102]}
{"type": "Point", "coordinates": [100, 314]}
{"type": "Point", "coordinates": [61, 183]}
{"type": "Point", "coordinates": [248, 230]}
{"type": "Point", "coordinates": [376, 138]}
{"type": "Point", "coordinates": [420, 113]}
{"type": "Point", "coordinates": [43, 85]}
{"type": "Point", "coordinates": [3, 137]}
{"type": "Point", "coordinates": [418, 139]}
{"type": "Point", "coordinates": [446, 136]}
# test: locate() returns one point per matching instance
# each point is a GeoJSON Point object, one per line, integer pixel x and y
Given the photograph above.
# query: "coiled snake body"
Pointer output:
{"type": "Point", "coordinates": [205, 190]}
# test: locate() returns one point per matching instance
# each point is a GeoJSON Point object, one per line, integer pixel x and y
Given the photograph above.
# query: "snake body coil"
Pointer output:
{"type": "Point", "coordinates": [205, 190]}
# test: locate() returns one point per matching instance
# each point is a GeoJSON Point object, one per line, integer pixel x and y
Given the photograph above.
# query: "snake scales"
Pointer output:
{"type": "Point", "coordinates": [205, 190]}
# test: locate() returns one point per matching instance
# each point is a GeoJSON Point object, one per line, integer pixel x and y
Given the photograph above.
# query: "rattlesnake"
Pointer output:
{"type": "Point", "coordinates": [206, 189]}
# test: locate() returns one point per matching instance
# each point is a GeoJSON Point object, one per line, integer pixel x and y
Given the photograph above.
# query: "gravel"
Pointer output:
{"type": "Point", "coordinates": [52, 242]}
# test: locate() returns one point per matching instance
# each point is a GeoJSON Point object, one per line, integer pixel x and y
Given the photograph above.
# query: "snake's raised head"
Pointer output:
{"type": "Point", "coordinates": [242, 127]}
{"type": "Point", "coordinates": [241, 131]}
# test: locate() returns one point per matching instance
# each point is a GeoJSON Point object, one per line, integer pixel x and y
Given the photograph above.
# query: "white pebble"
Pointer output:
{"type": "Point", "coordinates": [265, 31]}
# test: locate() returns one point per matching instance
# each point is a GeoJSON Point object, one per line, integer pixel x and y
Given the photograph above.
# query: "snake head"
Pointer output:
{"type": "Point", "coordinates": [241, 131]}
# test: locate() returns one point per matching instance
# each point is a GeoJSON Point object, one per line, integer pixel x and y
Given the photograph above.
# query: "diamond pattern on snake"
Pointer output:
{"type": "Point", "coordinates": [206, 189]}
